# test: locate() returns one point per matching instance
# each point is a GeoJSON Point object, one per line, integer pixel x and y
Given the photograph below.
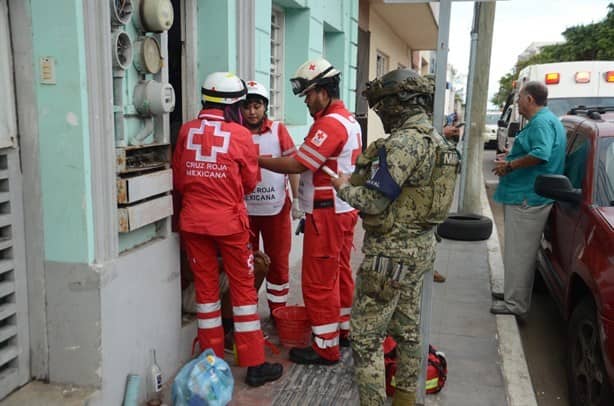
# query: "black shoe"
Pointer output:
{"type": "Point", "coordinates": [308, 355]}
{"type": "Point", "coordinates": [263, 373]}
{"type": "Point", "coordinates": [344, 342]}
{"type": "Point", "coordinates": [500, 308]}
{"type": "Point", "coordinates": [497, 295]}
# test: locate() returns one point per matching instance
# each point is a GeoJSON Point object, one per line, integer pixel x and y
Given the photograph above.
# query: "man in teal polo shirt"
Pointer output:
{"type": "Point", "coordinates": [538, 149]}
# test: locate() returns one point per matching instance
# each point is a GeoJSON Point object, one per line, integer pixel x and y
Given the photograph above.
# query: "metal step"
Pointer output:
{"type": "Point", "coordinates": [7, 310]}
{"type": "Point", "coordinates": [6, 288]}
{"type": "Point", "coordinates": [9, 380]}
{"type": "Point", "coordinates": [8, 353]}
{"type": "Point", "coordinates": [6, 265]}
{"type": "Point", "coordinates": [5, 243]}
{"type": "Point", "coordinates": [7, 332]}
{"type": "Point", "coordinates": [5, 220]}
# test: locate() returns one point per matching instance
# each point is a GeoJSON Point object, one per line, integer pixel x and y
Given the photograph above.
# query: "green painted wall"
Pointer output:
{"type": "Point", "coordinates": [217, 37]}
{"type": "Point", "coordinates": [296, 51]}
{"type": "Point", "coordinates": [313, 28]}
{"type": "Point", "coordinates": [58, 32]}
{"type": "Point", "coordinates": [310, 27]}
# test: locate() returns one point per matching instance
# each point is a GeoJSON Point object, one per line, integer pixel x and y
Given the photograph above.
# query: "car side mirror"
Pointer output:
{"type": "Point", "coordinates": [501, 123]}
{"type": "Point", "coordinates": [557, 187]}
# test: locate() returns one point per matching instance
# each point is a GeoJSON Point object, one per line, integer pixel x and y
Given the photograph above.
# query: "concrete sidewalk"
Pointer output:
{"type": "Point", "coordinates": [486, 363]}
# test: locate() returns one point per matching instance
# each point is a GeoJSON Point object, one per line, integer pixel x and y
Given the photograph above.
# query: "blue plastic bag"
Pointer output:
{"type": "Point", "coordinates": [205, 380]}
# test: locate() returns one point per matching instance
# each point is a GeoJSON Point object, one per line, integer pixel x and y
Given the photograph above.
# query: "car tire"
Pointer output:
{"type": "Point", "coordinates": [465, 227]}
{"type": "Point", "coordinates": [587, 377]}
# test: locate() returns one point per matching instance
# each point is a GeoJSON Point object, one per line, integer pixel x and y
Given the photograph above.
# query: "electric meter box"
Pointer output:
{"type": "Point", "coordinates": [154, 98]}
{"type": "Point", "coordinates": [154, 15]}
{"type": "Point", "coordinates": [147, 56]}
{"type": "Point", "coordinates": [121, 11]}
{"type": "Point", "coordinates": [121, 49]}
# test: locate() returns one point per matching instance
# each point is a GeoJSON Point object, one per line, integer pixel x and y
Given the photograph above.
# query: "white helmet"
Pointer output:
{"type": "Point", "coordinates": [311, 73]}
{"type": "Point", "coordinates": [223, 88]}
{"type": "Point", "coordinates": [257, 89]}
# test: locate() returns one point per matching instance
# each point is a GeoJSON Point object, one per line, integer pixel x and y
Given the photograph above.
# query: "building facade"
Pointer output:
{"type": "Point", "coordinates": [97, 91]}
{"type": "Point", "coordinates": [391, 36]}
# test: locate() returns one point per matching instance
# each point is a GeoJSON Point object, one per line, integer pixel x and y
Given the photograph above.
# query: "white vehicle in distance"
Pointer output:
{"type": "Point", "coordinates": [570, 85]}
{"type": "Point", "coordinates": [489, 134]}
{"type": "Point", "coordinates": [507, 124]}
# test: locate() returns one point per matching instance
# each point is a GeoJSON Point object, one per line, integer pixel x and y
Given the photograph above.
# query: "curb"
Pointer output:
{"type": "Point", "coordinates": [517, 380]}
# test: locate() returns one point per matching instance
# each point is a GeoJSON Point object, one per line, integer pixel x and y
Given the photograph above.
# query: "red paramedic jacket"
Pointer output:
{"type": "Point", "coordinates": [215, 164]}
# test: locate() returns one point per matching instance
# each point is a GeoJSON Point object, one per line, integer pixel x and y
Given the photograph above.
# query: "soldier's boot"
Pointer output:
{"type": "Point", "coordinates": [404, 398]}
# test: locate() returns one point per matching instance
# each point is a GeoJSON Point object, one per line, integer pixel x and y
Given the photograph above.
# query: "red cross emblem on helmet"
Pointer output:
{"type": "Point", "coordinates": [312, 67]}
{"type": "Point", "coordinates": [251, 83]}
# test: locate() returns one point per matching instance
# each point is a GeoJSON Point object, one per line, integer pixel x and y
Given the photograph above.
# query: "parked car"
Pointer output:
{"type": "Point", "coordinates": [490, 129]}
{"type": "Point", "coordinates": [507, 126]}
{"type": "Point", "coordinates": [576, 256]}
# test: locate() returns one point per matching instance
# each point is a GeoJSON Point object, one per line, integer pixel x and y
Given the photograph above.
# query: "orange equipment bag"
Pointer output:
{"type": "Point", "coordinates": [436, 374]}
{"type": "Point", "coordinates": [437, 371]}
{"type": "Point", "coordinates": [390, 363]}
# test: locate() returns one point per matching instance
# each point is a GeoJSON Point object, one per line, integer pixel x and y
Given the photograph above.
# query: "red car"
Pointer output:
{"type": "Point", "coordinates": [576, 258]}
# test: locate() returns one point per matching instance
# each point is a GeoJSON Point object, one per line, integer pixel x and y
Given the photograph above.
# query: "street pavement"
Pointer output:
{"type": "Point", "coordinates": [544, 334]}
{"type": "Point", "coordinates": [461, 326]}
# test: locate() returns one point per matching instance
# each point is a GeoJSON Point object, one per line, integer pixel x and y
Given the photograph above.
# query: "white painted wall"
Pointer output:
{"type": "Point", "coordinates": [140, 311]}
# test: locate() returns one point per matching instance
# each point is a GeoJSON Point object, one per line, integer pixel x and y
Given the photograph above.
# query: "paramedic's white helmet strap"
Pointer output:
{"type": "Point", "coordinates": [223, 88]}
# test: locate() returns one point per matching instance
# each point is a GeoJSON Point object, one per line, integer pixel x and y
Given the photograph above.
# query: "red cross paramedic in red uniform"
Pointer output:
{"type": "Point", "coordinates": [333, 144]}
{"type": "Point", "coordinates": [214, 165]}
{"type": "Point", "coordinates": [269, 204]}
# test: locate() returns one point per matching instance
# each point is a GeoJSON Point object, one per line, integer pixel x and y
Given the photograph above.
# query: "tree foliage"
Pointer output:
{"type": "Point", "coordinates": [582, 43]}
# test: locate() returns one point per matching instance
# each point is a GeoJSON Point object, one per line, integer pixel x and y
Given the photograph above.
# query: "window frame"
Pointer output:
{"type": "Point", "coordinates": [276, 85]}
{"type": "Point", "coordinates": [381, 70]}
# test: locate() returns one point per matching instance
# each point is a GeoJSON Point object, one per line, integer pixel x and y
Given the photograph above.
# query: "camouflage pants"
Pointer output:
{"type": "Point", "coordinates": [381, 308]}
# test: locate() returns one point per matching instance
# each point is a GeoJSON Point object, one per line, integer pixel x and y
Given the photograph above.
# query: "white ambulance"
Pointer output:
{"type": "Point", "coordinates": [570, 85]}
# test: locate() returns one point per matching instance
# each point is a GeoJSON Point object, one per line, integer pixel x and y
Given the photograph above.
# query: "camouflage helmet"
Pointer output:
{"type": "Point", "coordinates": [404, 83]}
{"type": "Point", "coordinates": [399, 94]}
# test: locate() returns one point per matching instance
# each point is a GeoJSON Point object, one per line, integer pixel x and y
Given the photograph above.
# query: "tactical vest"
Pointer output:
{"type": "Point", "coordinates": [422, 202]}
{"type": "Point", "coordinates": [443, 180]}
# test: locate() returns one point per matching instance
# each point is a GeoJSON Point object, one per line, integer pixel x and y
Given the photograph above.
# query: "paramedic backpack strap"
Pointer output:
{"type": "Point", "coordinates": [443, 178]}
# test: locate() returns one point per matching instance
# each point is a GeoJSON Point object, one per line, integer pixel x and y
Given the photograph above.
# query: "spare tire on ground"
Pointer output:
{"type": "Point", "coordinates": [465, 227]}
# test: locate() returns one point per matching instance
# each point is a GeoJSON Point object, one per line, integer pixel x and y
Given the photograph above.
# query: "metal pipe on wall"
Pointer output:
{"type": "Point", "coordinates": [445, 9]}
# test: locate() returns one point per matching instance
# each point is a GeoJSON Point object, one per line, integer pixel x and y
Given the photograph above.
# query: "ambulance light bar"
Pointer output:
{"type": "Point", "coordinates": [553, 78]}
{"type": "Point", "coordinates": [583, 77]}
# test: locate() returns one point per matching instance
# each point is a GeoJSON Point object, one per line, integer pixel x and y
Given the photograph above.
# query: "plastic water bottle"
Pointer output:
{"type": "Point", "coordinates": [155, 376]}
{"type": "Point", "coordinates": [132, 390]}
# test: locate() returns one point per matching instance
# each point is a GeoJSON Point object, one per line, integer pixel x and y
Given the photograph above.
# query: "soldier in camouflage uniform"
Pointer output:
{"type": "Point", "coordinates": [393, 188]}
